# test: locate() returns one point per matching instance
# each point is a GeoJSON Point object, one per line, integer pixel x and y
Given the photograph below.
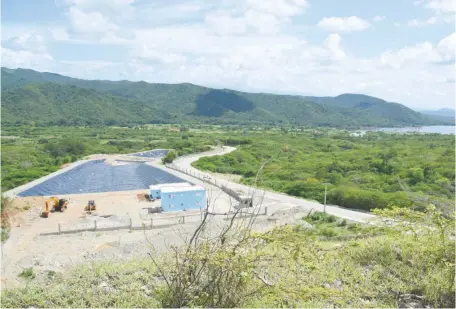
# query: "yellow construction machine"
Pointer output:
{"type": "Point", "coordinates": [54, 204]}
{"type": "Point", "coordinates": [90, 206]}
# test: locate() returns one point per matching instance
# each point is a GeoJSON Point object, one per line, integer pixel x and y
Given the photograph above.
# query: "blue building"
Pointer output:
{"type": "Point", "coordinates": [183, 198]}
{"type": "Point", "coordinates": [155, 190]}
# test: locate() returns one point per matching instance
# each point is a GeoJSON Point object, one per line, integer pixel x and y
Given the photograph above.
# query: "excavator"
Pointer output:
{"type": "Point", "coordinates": [54, 204]}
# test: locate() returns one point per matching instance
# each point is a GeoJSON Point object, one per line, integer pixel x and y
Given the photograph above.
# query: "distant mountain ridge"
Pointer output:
{"type": "Point", "coordinates": [52, 99]}
{"type": "Point", "coordinates": [443, 112]}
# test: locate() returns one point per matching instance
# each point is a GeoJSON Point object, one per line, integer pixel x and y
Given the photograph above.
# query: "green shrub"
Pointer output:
{"type": "Point", "coordinates": [342, 223]}
{"type": "Point", "coordinates": [28, 273]}
{"type": "Point", "coordinates": [306, 189]}
{"type": "Point", "coordinates": [354, 226]}
{"type": "Point", "coordinates": [328, 232]}
{"type": "Point", "coordinates": [4, 234]}
{"type": "Point", "coordinates": [321, 217]}
{"type": "Point", "coordinates": [367, 199]}
{"type": "Point", "coordinates": [170, 156]}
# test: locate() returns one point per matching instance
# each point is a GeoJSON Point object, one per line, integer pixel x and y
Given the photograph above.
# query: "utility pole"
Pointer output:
{"type": "Point", "coordinates": [326, 189]}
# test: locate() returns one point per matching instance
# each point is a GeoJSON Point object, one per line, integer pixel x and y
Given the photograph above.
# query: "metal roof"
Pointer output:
{"type": "Point", "coordinates": [182, 189]}
{"type": "Point", "coordinates": [177, 184]}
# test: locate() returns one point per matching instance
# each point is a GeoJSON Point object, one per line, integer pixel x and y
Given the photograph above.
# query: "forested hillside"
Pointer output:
{"type": "Point", "coordinates": [55, 104]}
{"type": "Point", "coordinates": [49, 99]}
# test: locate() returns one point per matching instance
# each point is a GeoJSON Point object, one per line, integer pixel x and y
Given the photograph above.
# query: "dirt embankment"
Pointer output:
{"type": "Point", "coordinates": [21, 210]}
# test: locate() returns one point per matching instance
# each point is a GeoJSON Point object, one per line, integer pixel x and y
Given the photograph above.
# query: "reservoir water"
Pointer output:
{"type": "Point", "coordinates": [424, 129]}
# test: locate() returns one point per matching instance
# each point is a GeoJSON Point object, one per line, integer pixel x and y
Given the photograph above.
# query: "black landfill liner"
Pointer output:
{"type": "Point", "coordinates": [156, 153]}
{"type": "Point", "coordinates": [98, 176]}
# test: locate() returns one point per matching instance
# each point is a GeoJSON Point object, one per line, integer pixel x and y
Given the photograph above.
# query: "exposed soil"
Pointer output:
{"type": "Point", "coordinates": [229, 177]}
{"type": "Point", "coordinates": [65, 165]}
{"type": "Point", "coordinates": [19, 210]}
{"type": "Point", "coordinates": [143, 197]}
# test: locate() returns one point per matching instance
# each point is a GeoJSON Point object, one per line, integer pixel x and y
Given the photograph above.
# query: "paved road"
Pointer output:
{"type": "Point", "coordinates": [264, 195]}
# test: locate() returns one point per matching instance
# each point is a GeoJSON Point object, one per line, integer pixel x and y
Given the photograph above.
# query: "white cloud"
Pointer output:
{"type": "Point", "coordinates": [443, 6]}
{"type": "Point", "coordinates": [264, 17]}
{"type": "Point", "coordinates": [419, 54]}
{"type": "Point", "coordinates": [89, 22]}
{"type": "Point", "coordinates": [117, 8]}
{"type": "Point", "coordinates": [332, 43]}
{"type": "Point", "coordinates": [281, 8]}
{"type": "Point", "coordinates": [421, 23]}
{"type": "Point", "coordinates": [148, 54]}
{"type": "Point", "coordinates": [378, 18]}
{"type": "Point", "coordinates": [29, 42]}
{"type": "Point", "coordinates": [59, 34]}
{"type": "Point", "coordinates": [341, 24]}
{"type": "Point", "coordinates": [95, 21]}
{"type": "Point", "coordinates": [444, 10]}
{"type": "Point", "coordinates": [26, 59]}
{"type": "Point", "coordinates": [263, 23]}
{"type": "Point", "coordinates": [223, 23]}
{"type": "Point", "coordinates": [116, 38]}
{"type": "Point", "coordinates": [284, 64]}
{"type": "Point", "coordinates": [447, 47]}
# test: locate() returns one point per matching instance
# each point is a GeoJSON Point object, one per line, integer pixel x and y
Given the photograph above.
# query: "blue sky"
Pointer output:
{"type": "Point", "coordinates": [398, 50]}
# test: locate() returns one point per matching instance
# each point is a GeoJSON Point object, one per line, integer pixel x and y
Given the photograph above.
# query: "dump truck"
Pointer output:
{"type": "Point", "coordinates": [54, 204]}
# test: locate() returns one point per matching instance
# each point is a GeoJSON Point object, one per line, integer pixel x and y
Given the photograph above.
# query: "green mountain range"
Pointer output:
{"type": "Point", "coordinates": [51, 99]}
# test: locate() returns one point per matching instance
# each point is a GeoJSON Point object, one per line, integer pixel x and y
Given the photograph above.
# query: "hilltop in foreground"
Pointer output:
{"type": "Point", "coordinates": [322, 262]}
{"type": "Point", "coordinates": [50, 99]}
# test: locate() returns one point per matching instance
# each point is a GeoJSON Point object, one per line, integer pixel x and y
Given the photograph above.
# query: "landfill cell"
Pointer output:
{"type": "Point", "coordinates": [98, 176]}
{"type": "Point", "coordinates": [157, 153]}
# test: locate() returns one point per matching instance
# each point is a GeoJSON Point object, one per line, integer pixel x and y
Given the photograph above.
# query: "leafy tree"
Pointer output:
{"type": "Point", "coordinates": [415, 175]}
{"type": "Point", "coordinates": [170, 156]}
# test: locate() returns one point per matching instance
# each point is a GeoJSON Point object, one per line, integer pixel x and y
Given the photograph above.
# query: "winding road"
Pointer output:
{"type": "Point", "coordinates": [274, 199]}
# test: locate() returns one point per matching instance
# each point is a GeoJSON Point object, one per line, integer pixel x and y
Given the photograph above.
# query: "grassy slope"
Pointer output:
{"type": "Point", "coordinates": [335, 264]}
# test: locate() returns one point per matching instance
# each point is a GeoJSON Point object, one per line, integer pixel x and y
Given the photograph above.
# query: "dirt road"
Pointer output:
{"type": "Point", "coordinates": [184, 163]}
